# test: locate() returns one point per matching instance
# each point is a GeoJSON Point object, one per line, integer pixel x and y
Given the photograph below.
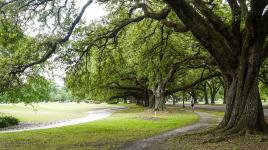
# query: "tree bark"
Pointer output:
{"type": "Point", "coordinates": [183, 99]}
{"type": "Point", "coordinates": [244, 109]}
{"type": "Point", "coordinates": [205, 93]}
{"type": "Point", "coordinates": [212, 100]}
{"type": "Point", "coordinates": [146, 99]}
{"type": "Point", "coordinates": [159, 99]}
{"type": "Point", "coordinates": [151, 101]}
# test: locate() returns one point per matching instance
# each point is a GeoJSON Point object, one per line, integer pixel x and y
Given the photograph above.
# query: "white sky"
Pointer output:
{"type": "Point", "coordinates": [93, 12]}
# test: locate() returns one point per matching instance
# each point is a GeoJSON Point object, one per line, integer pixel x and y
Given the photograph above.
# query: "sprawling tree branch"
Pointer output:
{"type": "Point", "coordinates": [214, 41]}
{"type": "Point", "coordinates": [194, 83]}
{"type": "Point", "coordinates": [52, 45]}
{"type": "Point", "coordinates": [175, 67]}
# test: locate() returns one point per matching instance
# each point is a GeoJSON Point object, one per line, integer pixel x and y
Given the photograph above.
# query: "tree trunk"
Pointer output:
{"type": "Point", "coordinates": [151, 101]}
{"type": "Point", "coordinates": [159, 99]}
{"type": "Point", "coordinates": [146, 98]}
{"type": "Point", "coordinates": [205, 93]}
{"type": "Point", "coordinates": [125, 100]}
{"type": "Point", "coordinates": [206, 99]}
{"type": "Point", "coordinates": [174, 99]}
{"type": "Point", "coordinates": [212, 100]}
{"type": "Point", "coordinates": [244, 109]}
{"type": "Point", "coordinates": [195, 100]}
{"type": "Point", "coordinates": [139, 101]}
{"type": "Point", "coordinates": [183, 99]}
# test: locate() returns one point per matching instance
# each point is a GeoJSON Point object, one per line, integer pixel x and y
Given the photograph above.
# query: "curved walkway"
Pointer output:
{"type": "Point", "coordinates": [205, 121]}
{"type": "Point", "coordinates": [90, 116]}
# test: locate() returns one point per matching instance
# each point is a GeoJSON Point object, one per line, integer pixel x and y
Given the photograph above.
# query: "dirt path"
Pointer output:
{"type": "Point", "coordinates": [205, 121]}
{"type": "Point", "coordinates": [93, 115]}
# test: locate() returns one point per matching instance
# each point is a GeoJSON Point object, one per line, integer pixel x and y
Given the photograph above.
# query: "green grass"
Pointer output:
{"type": "Point", "coordinates": [212, 112]}
{"type": "Point", "coordinates": [123, 126]}
{"type": "Point", "coordinates": [46, 112]}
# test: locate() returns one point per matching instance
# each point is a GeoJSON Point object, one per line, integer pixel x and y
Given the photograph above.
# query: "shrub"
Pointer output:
{"type": "Point", "coordinates": [6, 121]}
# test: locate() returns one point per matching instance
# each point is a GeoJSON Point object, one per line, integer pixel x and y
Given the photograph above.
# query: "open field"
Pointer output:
{"type": "Point", "coordinates": [46, 112]}
{"type": "Point", "coordinates": [123, 126]}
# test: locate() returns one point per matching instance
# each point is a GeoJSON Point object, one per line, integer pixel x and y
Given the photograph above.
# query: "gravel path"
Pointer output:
{"type": "Point", "coordinates": [204, 122]}
{"type": "Point", "coordinates": [93, 115]}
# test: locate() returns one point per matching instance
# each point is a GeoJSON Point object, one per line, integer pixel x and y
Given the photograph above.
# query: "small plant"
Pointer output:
{"type": "Point", "coordinates": [6, 121]}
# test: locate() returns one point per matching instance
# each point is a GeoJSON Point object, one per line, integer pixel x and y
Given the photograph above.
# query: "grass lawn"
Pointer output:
{"type": "Point", "coordinates": [123, 126]}
{"type": "Point", "coordinates": [46, 112]}
{"type": "Point", "coordinates": [212, 112]}
{"type": "Point", "coordinates": [216, 113]}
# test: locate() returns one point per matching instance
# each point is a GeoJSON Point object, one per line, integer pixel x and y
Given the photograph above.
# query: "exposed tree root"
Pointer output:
{"type": "Point", "coordinates": [223, 134]}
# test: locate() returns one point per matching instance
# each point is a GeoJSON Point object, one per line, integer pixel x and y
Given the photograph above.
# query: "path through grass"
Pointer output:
{"type": "Point", "coordinates": [124, 126]}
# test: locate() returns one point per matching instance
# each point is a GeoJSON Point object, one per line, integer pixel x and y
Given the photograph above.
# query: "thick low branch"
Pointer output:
{"type": "Point", "coordinates": [115, 85]}
{"type": "Point", "coordinates": [188, 86]}
{"type": "Point", "coordinates": [125, 95]}
{"type": "Point", "coordinates": [126, 88]}
{"type": "Point", "coordinates": [214, 41]}
{"type": "Point", "coordinates": [175, 67]}
{"type": "Point", "coordinates": [177, 27]}
{"type": "Point", "coordinates": [218, 24]}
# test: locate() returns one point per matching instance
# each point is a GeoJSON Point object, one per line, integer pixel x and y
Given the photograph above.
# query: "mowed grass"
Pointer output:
{"type": "Point", "coordinates": [217, 113]}
{"type": "Point", "coordinates": [48, 112]}
{"type": "Point", "coordinates": [122, 127]}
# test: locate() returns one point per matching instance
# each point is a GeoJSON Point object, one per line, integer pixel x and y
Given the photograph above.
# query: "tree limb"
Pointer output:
{"type": "Point", "coordinates": [188, 86]}
{"type": "Point", "coordinates": [52, 45]}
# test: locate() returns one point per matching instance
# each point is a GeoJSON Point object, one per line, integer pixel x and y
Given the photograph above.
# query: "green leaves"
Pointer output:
{"type": "Point", "coordinates": [141, 58]}
{"type": "Point", "coordinates": [35, 89]}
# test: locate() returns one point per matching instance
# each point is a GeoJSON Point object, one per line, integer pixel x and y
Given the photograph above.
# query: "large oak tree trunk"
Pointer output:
{"type": "Point", "coordinates": [146, 98]}
{"type": "Point", "coordinates": [151, 100]}
{"type": "Point", "coordinates": [159, 98]}
{"type": "Point", "coordinates": [244, 109]}
{"type": "Point", "coordinates": [238, 54]}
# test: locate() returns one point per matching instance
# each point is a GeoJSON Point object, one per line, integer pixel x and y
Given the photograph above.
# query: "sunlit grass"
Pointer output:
{"type": "Point", "coordinates": [46, 112]}
{"type": "Point", "coordinates": [123, 126]}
